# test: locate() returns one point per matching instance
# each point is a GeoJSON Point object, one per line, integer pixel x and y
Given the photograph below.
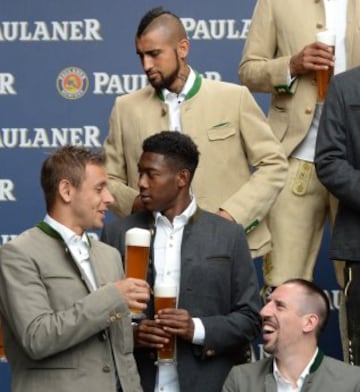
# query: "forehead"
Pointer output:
{"type": "Point", "coordinates": [94, 173]}
{"type": "Point", "coordinates": [290, 294]}
{"type": "Point", "coordinates": [153, 160]}
{"type": "Point", "coordinates": [152, 39]}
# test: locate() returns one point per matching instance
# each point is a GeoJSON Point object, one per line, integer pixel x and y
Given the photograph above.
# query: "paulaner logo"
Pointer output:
{"type": "Point", "coordinates": [216, 29]}
{"type": "Point", "coordinates": [7, 84]}
{"type": "Point", "coordinates": [72, 83]}
{"type": "Point", "coordinates": [39, 30]}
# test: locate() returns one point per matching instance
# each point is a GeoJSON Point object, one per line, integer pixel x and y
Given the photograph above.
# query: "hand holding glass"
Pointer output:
{"type": "Point", "coordinates": [137, 242]}
{"type": "Point", "coordinates": [165, 297]}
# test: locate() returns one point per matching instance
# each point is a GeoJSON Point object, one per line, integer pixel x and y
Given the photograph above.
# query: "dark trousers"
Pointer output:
{"type": "Point", "coordinates": [352, 303]}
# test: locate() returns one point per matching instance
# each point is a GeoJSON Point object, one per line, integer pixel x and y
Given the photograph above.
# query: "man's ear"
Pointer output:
{"type": "Point", "coordinates": [311, 321]}
{"type": "Point", "coordinates": [184, 178]}
{"type": "Point", "coordinates": [65, 190]}
{"type": "Point", "coordinates": [183, 47]}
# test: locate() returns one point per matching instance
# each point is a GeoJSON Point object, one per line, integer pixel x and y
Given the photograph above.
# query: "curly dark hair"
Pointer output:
{"type": "Point", "coordinates": [177, 147]}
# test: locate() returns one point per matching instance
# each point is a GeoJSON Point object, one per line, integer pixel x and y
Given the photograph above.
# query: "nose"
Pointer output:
{"type": "Point", "coordinates": [142, 181]}
{"type": "Point", "coordinates": [108, 197]}
{"type": "Point", "coordinates": [147, 63]}
{"type": "Point", "coordinates": [265, 311]}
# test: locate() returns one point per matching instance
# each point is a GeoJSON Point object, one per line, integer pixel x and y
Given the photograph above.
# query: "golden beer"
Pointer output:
{"type": "Point", "coordinates": [137, 258]}
{"type": "Point", "coordinates": [137, 242]}
{"type": "Point", "coordinates": [323, 76]}
{"type": "Point", "coordinates": [165, 297]}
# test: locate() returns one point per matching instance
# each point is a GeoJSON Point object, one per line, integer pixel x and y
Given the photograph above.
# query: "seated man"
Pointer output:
{"type": "Point", "coordinates": [294, 316]}
{"type": "Point", "coordinates": [208, 259]}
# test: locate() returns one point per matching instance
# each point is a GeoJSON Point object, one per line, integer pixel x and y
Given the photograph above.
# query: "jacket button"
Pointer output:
{"type": "Point", "coordinates": [106, 369]}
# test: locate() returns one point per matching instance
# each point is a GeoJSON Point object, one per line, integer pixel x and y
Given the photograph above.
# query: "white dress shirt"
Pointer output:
{"type": "Point", "coordinates": [78, 247]}
{"type": "Point", "coordinates": [174, 100]}
{"type": "Point", "coordinates": [167, 263]}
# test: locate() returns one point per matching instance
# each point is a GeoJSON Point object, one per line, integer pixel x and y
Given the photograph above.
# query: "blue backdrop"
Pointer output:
{"type": "Point", "coordinates": [62, 63]}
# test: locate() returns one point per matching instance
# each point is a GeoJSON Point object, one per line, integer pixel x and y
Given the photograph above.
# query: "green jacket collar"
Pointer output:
{"type": "Point", "coordinates": [47, 229]}
{"type": "Point", "coordinates": [194, 89]}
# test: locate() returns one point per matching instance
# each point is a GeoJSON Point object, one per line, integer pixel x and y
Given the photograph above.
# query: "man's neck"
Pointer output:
{"type": "Point", "coordinates": [180, 81]}
{"type": "Point", "coordinates": [292, 365]}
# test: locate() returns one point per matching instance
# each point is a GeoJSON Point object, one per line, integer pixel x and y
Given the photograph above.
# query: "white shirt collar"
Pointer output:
{"type": "Point", "coordinates": [183, 217]}
{"type": "Point", "coordinates": [300, 381]}
{"type": "Point", "coordinates": [67, 234]}
{"type": "Point", "coordinates": [168, 95]}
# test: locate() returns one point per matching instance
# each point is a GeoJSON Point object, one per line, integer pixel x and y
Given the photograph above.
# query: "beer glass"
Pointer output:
{"type": "Point", "coordinates": [165, 297]}
{"type": "Point", "coordinates": [137, 242]}
{"type": "Point", "coordinates": [2, 351]}
{"type": "Point", "coordinates": [323, 76]}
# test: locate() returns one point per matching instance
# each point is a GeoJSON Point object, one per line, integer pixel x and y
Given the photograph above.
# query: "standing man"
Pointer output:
{"type": "Point", "coordinates": [206, 257]}
{"type": "Point", "coordinates": [337, 163]}
{"type": "Point", "coordinates": [294, 316]}
{"type": "Point", "coordinates": [280, 57]}
{"type": "Point", "coordinates": [242, 166]}
{"type": "Point", "coordinates": [63, 297]}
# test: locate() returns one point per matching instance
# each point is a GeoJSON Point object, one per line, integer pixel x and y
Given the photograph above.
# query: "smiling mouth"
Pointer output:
{"type": "Point", "coordinates": [268, 329]}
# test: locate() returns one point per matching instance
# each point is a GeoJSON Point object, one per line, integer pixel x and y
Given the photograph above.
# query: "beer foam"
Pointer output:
{"type": "Point", "coordinates": [326, 37]}
{"type": "Point", "coordinates": [165, 291]}
{"type": "Point", "coordinates": [137, 237]}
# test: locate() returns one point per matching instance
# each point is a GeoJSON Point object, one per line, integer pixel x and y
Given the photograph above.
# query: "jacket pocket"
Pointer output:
{"type": "Point", "coordinates": [221, 131]}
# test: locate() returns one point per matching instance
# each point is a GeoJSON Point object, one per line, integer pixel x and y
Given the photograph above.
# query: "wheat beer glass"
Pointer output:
{"type": "Point", "coordinates": [165, 297]}
{"type": "Point", "coordinates": [137, 242]}
{"type": "Point", "coordinates": [323, 76]}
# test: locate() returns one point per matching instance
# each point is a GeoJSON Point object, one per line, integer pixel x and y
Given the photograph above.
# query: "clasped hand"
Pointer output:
{"type": "Point", "coordinates": [155, 333]}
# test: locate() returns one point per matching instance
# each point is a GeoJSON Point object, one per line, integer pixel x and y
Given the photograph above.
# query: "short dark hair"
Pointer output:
{"type": "Point", "coordinates": [319, 302]}
{"type": "Point", "coordinates": [175, 146]}
{"type": "Point", "coordinates": [69, 163]}
{"type": "Point", "coordinates": [150, 16]}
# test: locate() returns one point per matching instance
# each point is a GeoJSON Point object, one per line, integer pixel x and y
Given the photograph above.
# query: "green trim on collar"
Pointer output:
{"type": "Point", "coordinates": [194, 89]}
{"type": "Point", "coordinates": [47, 229]}
{"type": "Point", "coordinates": [283, 89]}
{"type": "Point", "coordinates": [314, 366]}
{"type": "Point", "coordinates": [317, 362]}
{"type": "Point", "coordinates": [160, 95]}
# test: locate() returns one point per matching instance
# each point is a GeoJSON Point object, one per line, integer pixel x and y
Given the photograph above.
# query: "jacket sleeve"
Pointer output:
{"type": "Point", "coordinates": [261, 69]}
{"type": "Point", "coordinates": [336, 146]}
{"type": "Point", "coordinates": [123, 194]}
{"type": "Point", "coordinates": [267, 159]}
{"type": "Point", "coordinates": [230, 331]}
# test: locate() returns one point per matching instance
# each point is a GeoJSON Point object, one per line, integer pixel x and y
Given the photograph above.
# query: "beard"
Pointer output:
{"type": "Point", "coordinates": [167, 81]}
